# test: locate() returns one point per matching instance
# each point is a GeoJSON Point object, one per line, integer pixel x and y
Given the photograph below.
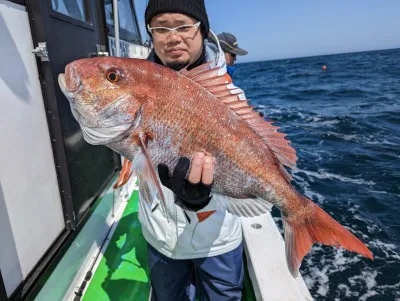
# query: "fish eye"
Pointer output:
{"type": "Point", "coordinates": [113, 75]}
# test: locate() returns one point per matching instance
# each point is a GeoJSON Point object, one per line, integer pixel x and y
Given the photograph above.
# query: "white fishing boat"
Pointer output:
{"type": "Point", "coordinates": [65, 233]}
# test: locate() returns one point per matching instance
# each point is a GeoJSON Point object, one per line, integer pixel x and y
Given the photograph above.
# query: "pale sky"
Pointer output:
{"type": "Point", "coordinates": [293, 28]}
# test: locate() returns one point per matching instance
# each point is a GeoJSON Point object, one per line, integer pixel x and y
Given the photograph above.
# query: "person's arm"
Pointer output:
{"type": "Point", "coordinates": [194, 192]}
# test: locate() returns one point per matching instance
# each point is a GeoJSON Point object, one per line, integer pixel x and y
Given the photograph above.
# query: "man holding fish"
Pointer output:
{"type": "Point", "coordinates": [204, 247]}
{"type": "Point", "coordinates": [215, 156]}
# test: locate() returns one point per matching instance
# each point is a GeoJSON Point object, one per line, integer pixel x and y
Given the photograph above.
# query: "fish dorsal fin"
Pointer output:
{"type": "Point", "coordinates": [195, 71]}
{"type": "Point", "coordinates": [233, 97]}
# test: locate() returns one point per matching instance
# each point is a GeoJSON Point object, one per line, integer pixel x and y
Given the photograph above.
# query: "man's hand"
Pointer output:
{"type": "Point", "coordinates": [202, 169]}
{"type": "Point", "coordinates": [193, 192]}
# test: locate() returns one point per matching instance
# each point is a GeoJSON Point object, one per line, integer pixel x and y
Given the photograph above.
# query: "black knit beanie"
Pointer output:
{"type": "Point", "coordinates": [193, 8]}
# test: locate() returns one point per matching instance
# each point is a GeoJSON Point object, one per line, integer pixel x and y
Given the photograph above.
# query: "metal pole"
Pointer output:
{"type": "Point", "coordinates": [116, 28]}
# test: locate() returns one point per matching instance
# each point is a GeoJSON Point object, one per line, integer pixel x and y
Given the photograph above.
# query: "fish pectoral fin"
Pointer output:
{"type": "Point", "coordinates": [147, 170]}
{"type": "Point", "coordinates": [321, 228]}
{"type": "Point", "coordinates": [124, 174]}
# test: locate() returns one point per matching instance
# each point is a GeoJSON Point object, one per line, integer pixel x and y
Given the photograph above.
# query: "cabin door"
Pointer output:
{"type": "Point", "coordinates": [71, 30]}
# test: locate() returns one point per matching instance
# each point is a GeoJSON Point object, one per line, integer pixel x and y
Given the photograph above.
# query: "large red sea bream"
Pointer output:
{"type": "Point", "coordinates": [151, 114]}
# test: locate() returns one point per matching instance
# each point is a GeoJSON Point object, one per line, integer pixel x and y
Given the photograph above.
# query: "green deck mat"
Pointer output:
{"type": "Point", "coordinates": [123, 273]}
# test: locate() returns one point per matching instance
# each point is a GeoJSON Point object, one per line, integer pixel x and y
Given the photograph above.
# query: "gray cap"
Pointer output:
{"type": "Point", "coordinates": [229, 43]}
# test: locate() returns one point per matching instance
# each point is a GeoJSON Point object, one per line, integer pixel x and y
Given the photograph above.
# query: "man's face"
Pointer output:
{"type": "Point", "coordinates": [230, 58]}
{"type": "Point", "coordinates": [176, 50]}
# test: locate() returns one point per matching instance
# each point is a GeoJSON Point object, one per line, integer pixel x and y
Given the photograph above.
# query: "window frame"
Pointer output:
{"type": "Point", "coordinates": [123, 33]}
{"type": "Point", "coordinates": [69, 19]}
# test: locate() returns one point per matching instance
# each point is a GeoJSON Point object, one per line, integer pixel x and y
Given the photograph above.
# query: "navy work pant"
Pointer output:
{"type": "Point", "coordinates": [216, 278]}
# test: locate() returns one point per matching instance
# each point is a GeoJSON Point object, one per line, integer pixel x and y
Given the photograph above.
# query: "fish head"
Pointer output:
{"type": "Point", "coordinates": [102, 96]}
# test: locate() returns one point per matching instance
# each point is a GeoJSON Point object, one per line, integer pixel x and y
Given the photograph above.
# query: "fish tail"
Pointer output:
{"type": "Point", "coordinates": [318, 228]}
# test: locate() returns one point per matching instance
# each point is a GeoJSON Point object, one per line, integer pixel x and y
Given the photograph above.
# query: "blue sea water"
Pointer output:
{"type": "Point", "coordinates": [345, 126]}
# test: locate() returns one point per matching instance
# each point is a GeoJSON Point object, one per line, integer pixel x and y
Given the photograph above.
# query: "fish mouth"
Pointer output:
{"type": "Point", "coordinates": [70, 96]}
{"type": "Point", "coordinates": [63, 86]}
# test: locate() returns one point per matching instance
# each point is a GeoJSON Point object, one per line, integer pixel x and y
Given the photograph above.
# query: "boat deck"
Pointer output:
{"type": "Point", "coordinates": [123, 272]}
{"type": "Point", "coordinates": [112, 265]}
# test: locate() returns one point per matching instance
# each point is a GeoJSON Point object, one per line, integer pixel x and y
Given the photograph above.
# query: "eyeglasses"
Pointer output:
{"type": "Point", "coordinates": [185, 31]}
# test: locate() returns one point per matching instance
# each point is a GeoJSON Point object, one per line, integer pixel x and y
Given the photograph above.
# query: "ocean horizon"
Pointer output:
{"type": "Point", "coordinates": [316, 55]}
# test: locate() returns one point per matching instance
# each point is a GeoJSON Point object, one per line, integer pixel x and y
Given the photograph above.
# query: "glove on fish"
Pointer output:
{"type": "Point", "coordinates": [192, 196]}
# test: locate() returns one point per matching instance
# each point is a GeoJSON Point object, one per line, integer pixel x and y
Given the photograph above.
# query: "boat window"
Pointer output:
{"type": "Point", "coordinates": [128, 24]}
{"type": "Point", "coordinates": [76, 9]}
